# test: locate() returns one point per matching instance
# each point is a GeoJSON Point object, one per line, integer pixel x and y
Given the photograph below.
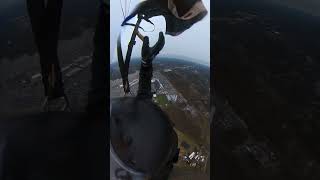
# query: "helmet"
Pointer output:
{"type": "Point", "coordinates": [143, 143]}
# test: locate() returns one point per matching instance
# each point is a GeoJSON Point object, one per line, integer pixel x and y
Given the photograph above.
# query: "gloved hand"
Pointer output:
{"type": "Point", "coordinates": [149, 53]}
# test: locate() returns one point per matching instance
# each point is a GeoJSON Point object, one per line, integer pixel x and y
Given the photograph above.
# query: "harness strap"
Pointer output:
{"type": "Point", "coordinates": [124, 64]}
{"type": "Point", "coordinates": [131, 24]}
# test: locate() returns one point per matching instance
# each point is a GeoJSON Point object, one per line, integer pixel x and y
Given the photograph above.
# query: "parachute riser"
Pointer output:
{"type": "Point", "coordinates": [132, 42]}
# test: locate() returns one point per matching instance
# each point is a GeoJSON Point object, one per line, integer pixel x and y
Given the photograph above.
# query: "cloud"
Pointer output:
{"type": "Point", "coordinates": [9, 3]}
{"type": "Point", "coordinates": [307, 6]}
{"type": "Point", "coordinates": [5, 5]}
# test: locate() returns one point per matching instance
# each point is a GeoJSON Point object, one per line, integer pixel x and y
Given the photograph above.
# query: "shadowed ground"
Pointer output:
{"type": "Point", "coordinates": [52, 146]}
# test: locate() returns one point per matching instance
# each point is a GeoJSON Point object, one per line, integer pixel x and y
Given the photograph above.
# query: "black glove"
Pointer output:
{"type": "Point", "coordinates": [149, 53]}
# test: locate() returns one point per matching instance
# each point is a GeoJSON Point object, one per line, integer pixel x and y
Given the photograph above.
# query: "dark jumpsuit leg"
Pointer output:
{"type": "Point", "coordinates": [53, 19]}
{"type": "Point", "coordinates": [36, 12]}
{"type": "Point", "coordinates": [98, 97]}
{"type": "Point", "coordinates": [45, 22]}
{"type": "Point", "coordinates": [146, 71]}
{"type": "Point", "coordinates": [99, 92]}
{"type": "Point", "coordinates": [145, 76]}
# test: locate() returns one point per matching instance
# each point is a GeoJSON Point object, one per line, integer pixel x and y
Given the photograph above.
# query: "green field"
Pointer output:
{"type": "Point", "coordinates": [161, 100]}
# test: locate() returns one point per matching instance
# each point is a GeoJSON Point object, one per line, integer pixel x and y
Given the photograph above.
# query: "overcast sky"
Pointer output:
{"type": "Point", "coordinates": [193, 43]}
{"type": "Point", "coordinates": [308, 6]}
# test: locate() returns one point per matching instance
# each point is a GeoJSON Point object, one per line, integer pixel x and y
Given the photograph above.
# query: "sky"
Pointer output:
{"type": "Point", "coordinates": [187, 43]}
{"type": "Point", "coordinates": [10, 4]}
{"type": "Point", "coordinates": [307, 6]}
{"type": "Point", "coordinates": [194, 43]}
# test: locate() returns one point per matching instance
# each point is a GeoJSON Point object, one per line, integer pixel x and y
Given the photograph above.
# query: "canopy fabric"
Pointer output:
{"type": "Point", "coordinates": [180, 15]}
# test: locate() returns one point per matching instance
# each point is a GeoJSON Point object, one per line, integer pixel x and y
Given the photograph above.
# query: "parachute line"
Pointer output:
{"type": "Point", "coordinates": [129, 6]}
{"type": "Point", "coordinates": [125, 7]}
{"type": "Point", "coordinates": [122, 9]}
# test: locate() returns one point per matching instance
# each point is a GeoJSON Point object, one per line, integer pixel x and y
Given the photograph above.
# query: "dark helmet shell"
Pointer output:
{"type": "Point", "coordinates": [141, 134]}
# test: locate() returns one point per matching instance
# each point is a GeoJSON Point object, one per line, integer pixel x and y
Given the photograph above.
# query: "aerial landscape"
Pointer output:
{"type": "Point", "coordinates": [266, 91]}
{"type": "Point", "coordinates": [20, 81]}
{"type": "Point", "coordinates": [28, 136]}
{"type": "Point", "coordinates": [181, 89]}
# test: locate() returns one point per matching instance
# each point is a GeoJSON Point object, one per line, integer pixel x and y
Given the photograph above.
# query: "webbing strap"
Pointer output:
{"type": "Point", "coordinates": [124, 64]}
